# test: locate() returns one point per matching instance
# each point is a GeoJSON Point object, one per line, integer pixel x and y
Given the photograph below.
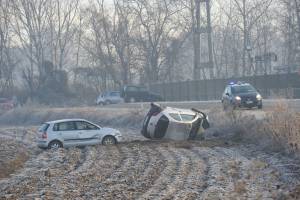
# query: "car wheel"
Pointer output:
{"type": "Point", "coordinates": [109, 140]}
{"type": "Point", "coordinates": [55, 145]}
{"type": "Point", "coordinates": [132, 100]}
{"type": "Point", "coordinates": [260, 107]}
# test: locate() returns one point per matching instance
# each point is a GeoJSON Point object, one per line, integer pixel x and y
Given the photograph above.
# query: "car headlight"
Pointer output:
{"type": "Point", "coordinates": [258, 97]}
{"type": "Point", "coordinates": [238, 98]}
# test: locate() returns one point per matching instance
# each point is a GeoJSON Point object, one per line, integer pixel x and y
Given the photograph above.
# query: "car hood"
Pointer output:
{"type": "Point", "coordinates": [250, 94]}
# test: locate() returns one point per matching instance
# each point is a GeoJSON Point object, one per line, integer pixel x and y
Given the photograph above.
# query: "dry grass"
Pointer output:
{"type": "Point", "coordinates": [240, 187]}
{"type": "Point", "coordinates": [283, 126]}
{"type": "Point", "coordinates": [278, 129]}
{"type": "Point", "coordinates": [12, 165]}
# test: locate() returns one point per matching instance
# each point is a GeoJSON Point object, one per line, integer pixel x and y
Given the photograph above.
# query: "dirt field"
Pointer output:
{"type": "Point", "coordinates": [140, 169]}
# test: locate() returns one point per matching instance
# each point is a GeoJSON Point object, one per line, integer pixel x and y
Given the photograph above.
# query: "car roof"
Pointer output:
{"type": "Point", "coordinates": [109, 92]}
{"type": "Point", "coordinates": [239, 84]}
{"type": "Point", "coordinates": [65, 120]}
{"type": "Point", "coordinates": [243, 84]}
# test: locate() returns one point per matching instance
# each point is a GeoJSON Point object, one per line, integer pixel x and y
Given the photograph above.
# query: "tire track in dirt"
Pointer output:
{"type": "Point", "coordinates": [168, 174]}
{"type": "Point", "coordinates": [152, 170]}
{"type": "Point", "coordinates": [196, 180]}
{"type": "Point", "coordinates": [183, 163]}
{"type": "Point", "coordinates": [91, 178]}
{"type": "Point", "coordinates": [121, 183]}
{"type": "Point", "coordinates": [217, 178]}
{"type": "Point", "coordinates": [39, 173]}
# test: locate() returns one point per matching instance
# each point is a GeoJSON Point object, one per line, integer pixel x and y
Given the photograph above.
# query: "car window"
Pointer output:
{"type": "Point", "coordinates": [143, 89]}
{"type": "Point", "coordinates": [229, 90]}
{"type": "Point", "coordinates": [82, 125]}
{"type": "Point", "coordinates": [186, 117]}
{"type": "Point", "coordinates": [64, 126]}
{"type": "Point", "coordinates": [242, 89]}
{"type": "Point", "coordinates": [43, 127]}
{"type": "Point", "coordinates": [131, 89]}
{"type": "Point", "coordinates": [225, 91]}
{"type": "Point", "coordinates": [175, 116]}
{"type": "Point", "coordinates": [115, 94]}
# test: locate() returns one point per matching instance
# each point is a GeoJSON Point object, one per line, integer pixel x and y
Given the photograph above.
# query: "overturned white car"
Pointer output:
{"type": "Point", "coordinates": [173, 123]}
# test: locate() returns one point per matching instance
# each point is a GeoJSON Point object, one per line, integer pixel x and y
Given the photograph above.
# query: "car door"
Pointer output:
{"type": "Point", "coordinates": [114, 97]}
{"type": "Point", "coordinates": [66, 130]}
{"type": "Point", "coordinates": [87, 133]}
{"type": "Point", "coordinates": [228, 96]}
{"type": "Point", "coordinates": [225, 96]}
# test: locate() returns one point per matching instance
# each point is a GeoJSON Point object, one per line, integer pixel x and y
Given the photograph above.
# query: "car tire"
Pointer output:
{"type": "Point", "coordinates": [101, 104]}
{"type": "Point", "coordinates": [109, 140]}
{"type": "Point", "coordinates": [55, 144]}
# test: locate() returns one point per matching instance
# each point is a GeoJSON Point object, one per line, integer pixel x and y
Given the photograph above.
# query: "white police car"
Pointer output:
{"type": "Point", "coordinates": [238, 95]}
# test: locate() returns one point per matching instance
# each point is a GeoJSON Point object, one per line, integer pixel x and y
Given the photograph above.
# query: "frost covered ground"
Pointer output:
{"type": "Point", "coordinates": [217, 168]}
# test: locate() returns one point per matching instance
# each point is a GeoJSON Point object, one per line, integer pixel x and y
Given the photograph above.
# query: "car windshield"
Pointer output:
{"type": "Point", "coordinates": [115, 94]}
{"type": "Point", "coordinates": [242, 89]}
{"type": "Point", "coordinates": [186, 117]}
{"type": "Point", "coordinates": [175, 116]}
{"type": "Point", "coordinates": [182, 117]}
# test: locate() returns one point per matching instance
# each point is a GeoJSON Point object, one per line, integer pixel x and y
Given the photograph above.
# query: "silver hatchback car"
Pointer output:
{"type": "Point", "coordinates": [75, 132]}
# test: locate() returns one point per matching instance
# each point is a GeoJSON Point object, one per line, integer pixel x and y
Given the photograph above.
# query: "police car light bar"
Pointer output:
{"type": "Point", "coordinates": [236, 83]}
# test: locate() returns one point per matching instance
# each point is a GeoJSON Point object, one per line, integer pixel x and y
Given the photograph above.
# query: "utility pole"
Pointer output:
{"type": "Point", "coordinates": [199, 29]}
{"type": "Point", "coordinates": [209, 32]}
{"type": "Point", "coordinates": [196, 37]}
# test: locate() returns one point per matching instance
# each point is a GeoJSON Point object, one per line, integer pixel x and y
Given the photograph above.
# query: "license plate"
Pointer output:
{"type": "Point", "coordinates": [249, 102]}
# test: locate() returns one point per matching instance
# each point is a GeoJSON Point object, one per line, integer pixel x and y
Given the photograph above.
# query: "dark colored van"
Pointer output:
{"type": "Point", "coordinates": [132, 93]}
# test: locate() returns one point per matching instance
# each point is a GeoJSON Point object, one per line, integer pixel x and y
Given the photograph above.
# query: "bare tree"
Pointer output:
{"type": "Point", "coordinates": [247, 15]}
{"type": "Point", "coordinates": [30, 26]}
{"type": "Point", "coordinates": [155, 31]}
{"type": "Point", "coordinates": [61, 19]}
{"type": "Point", "coordinates": [7, 64]}
{"type": "Point", "coordinates": [98, 42]}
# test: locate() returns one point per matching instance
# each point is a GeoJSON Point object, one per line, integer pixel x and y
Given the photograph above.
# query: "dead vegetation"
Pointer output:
{"type": "Point", "coordinates": [277, 128]}
{"type": "Point", "coordinates": [283, 125]}
{"type": "Point", "coordinates": [12, 157]}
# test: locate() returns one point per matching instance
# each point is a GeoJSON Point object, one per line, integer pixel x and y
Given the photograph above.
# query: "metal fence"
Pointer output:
{"type": "Point", "coordinates": [279, 85]}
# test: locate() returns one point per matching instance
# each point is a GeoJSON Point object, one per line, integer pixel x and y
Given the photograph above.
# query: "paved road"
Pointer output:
{"type": "Point", "coordinates": [268, 104]}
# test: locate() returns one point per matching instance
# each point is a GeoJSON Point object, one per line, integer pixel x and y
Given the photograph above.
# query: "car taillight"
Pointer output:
{"type": "Point", "coordinates": [44, 135]}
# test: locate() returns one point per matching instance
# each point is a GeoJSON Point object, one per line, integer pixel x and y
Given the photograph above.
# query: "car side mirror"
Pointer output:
{"type": "Point", "coordinates": [227, 94]}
